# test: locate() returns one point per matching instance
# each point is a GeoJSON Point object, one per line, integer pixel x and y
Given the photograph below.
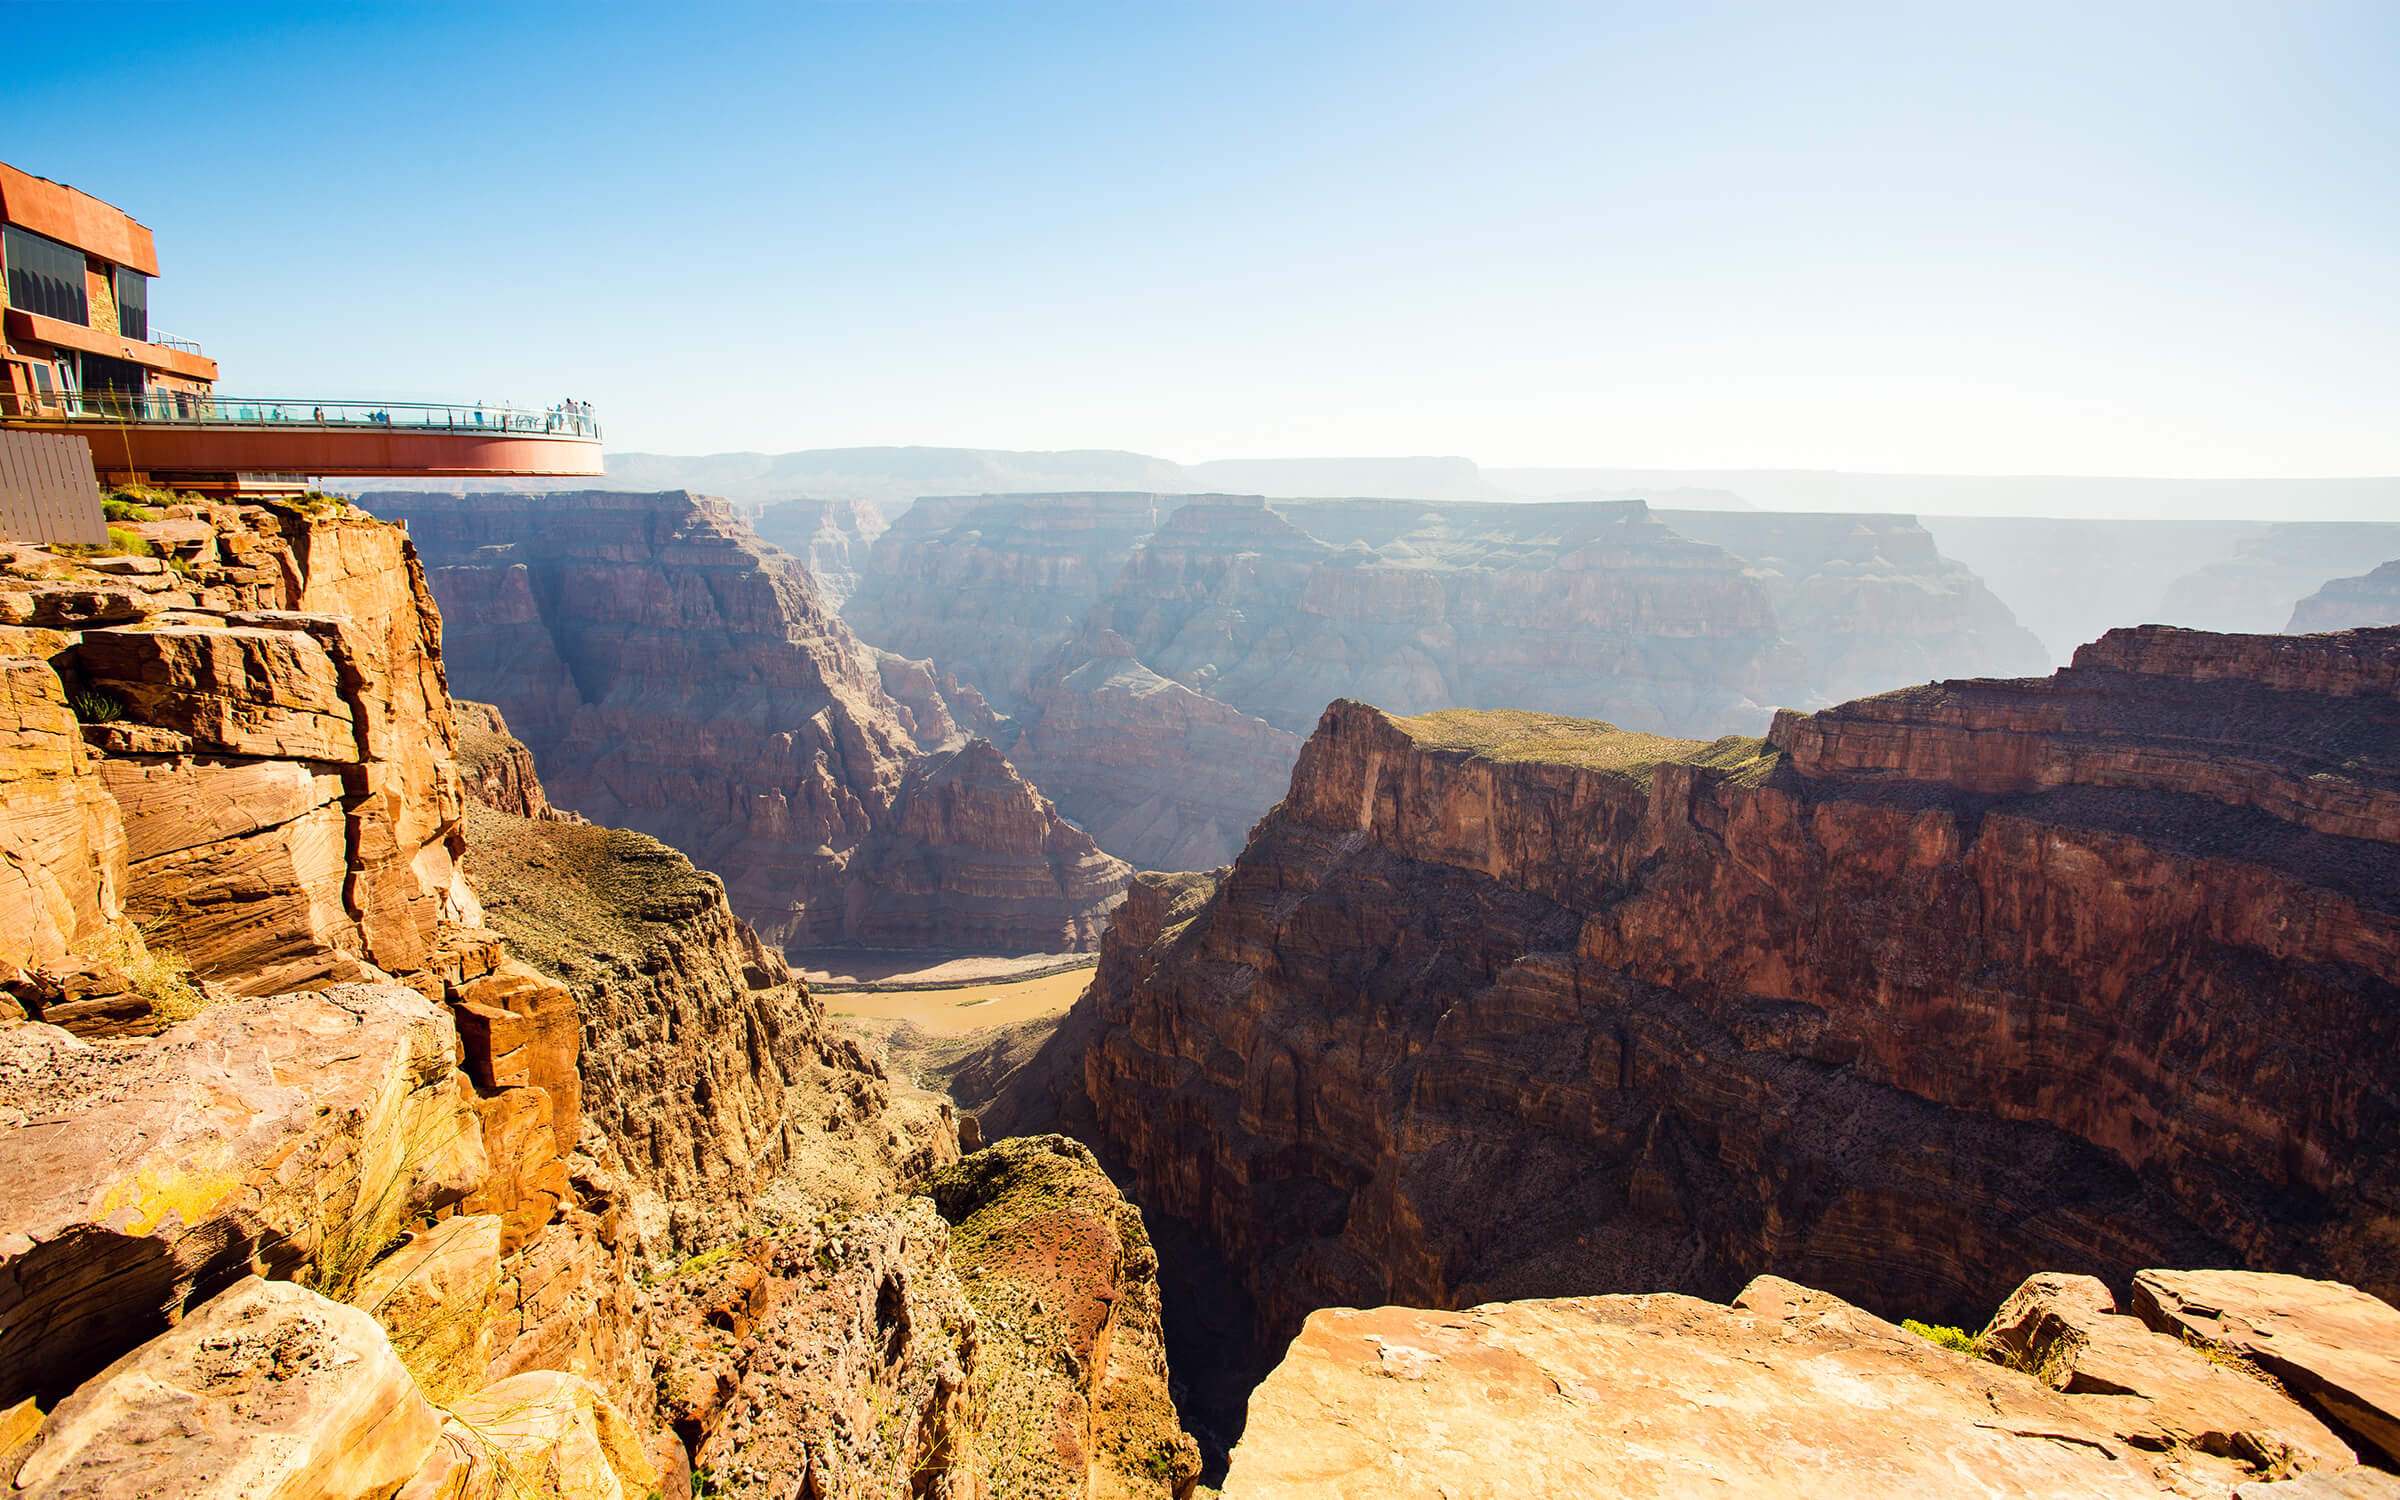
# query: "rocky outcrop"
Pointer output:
{"type": "Point", "coordinates": [495, 767]}
{"type": "Point", "coordinates": [1920, 996]}
{"type": "Point", "coordinates": [283, 1132]}
{"type": "Point", "coordinates": [706, 1063]}
{"type": "Point", "coordinates": [676, 676]}
{"type": "Point", "coordinates": [2350, 603]}
{"type": "Point", "coordinates": [1072, 1358]}
{"type": "Point", "coordinates": [270, 1392]}
{"type": "Point", "coordinates": [828, 1363]}
{"type": "Point", "coordinates": [2332, 1345]}
{"type": "Point", "coordinates": [263, 777]}
{"type": "Point", "coordinates": [1786, 1392]}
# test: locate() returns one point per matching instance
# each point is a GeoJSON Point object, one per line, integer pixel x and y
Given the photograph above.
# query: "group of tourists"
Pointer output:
{"type": "Point", "coordinates": [570, 414]}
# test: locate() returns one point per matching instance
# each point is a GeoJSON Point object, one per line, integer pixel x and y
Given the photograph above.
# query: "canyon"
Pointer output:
{"type": "Point", "coordinates": [1910, 1000]}
{"type": "Point", "coordinates": [1158, 656]}
{"type": "Point", "coordinates": [326, 1188]}
{"type": "Point", "coordinates": [387, 1123]}
{"type": "Point", "coordinates": [674, 675]}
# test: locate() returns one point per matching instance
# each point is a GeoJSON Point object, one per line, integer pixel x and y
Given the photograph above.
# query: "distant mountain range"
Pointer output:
{"type": "Point", "coordinates": [891, 477]}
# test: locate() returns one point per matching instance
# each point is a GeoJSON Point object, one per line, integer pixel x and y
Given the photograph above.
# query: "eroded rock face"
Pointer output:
{"type": "Point", "coordinates": [496, 768]}
{"type": "Point", "coordinates": [2255, 589]}
{"type": "Point", "coordinates": [1787, 1392]}
{"type": "Point", "coordinates": [830, 1362]}
{"type": "Point", "coordinates": [1072, 1365]}
{"type": "Point", "coordinates": [2349, 603]}
{"type": "Point", "coordinates": [829, 537]}
{"type": "Point", "coordinates": [676, 676]}
{"type": "Point", "coordinates": [1081, 616]}
{"type": "Point", "coordinates": [1923, 995]}
{"type": "Point", "coordinates": [708, 1065]}
{"type": "Point", "coordinates": [286, 1131]}
{"type": "Point", "coordinates": [267, 783]}
{"type": "Point", "coordinates": [1868, 600]}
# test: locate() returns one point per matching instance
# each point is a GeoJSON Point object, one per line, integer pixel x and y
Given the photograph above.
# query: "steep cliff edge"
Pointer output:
{"type": "Point", "coordinates": [466, 1190]}
{"type": "Point", "coordinates": [1914, 998]}
{"type": "Point", "coordinates": [676, 676]}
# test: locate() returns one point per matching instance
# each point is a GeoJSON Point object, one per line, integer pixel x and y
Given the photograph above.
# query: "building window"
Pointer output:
{"type": "Point", "coordinates": [133, 304]}
{"type": "Point", "coordinates": [45, 276]}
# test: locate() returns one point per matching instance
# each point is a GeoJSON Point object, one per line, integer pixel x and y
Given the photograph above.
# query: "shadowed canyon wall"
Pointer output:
{"type": "Point", "coordinates": [674, 675]}
{"type": "Point", "coordinates": [1915, 997]}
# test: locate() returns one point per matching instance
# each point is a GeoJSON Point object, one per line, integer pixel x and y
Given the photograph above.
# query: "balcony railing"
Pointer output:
{"type": "Point", "coordinates": [184, 409]}
{"type": "Point", "coordinates": [165, 341]}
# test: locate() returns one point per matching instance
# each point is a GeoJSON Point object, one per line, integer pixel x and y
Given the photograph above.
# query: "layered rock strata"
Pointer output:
{"type": "Point", "coordinates": [1913, 999]}
{"type": "Point", "coordinates": [676, 676]}
{"type": "Point", "coordinates": [829, 537]}
{"type": "Point", "coordinates": [249, 754]}
{"type": "Point", "coordinates": [1080, 616]}
{"type": "Point", "coordinates": [1869, 600]}
{"type": "Point", "coordinates": [2255, 588]}
{"type": "Point", "coordinates": [447, 1181]}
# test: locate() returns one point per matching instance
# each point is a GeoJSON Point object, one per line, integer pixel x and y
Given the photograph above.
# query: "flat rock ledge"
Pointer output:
{"type": "Point", "coordinates": [1787, 1393]}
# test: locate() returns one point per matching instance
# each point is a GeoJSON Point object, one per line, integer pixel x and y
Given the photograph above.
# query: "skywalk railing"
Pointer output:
{"type": "Point", "coordinates": [568, 419]}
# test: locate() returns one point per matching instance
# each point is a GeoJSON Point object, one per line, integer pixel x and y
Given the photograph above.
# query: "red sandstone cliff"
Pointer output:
{"type": "Point", "coordinates": [674, 675]}
{"type": "Point", "coordinates": [1920, 995]}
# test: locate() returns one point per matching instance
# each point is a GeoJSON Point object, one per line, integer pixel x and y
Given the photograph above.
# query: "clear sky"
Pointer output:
{"type": "Point", "coordinates": [2002, 238]}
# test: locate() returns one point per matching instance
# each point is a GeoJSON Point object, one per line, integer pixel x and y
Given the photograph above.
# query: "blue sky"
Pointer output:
{"type": "Point", "coordinates": [2019, 238]}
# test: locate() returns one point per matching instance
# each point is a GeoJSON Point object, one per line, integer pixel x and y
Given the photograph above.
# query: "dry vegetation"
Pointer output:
{"type": "Point", "coordinates": [1515, 735]}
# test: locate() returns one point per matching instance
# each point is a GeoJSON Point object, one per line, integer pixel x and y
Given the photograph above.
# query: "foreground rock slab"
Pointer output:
{"type": "Point", "coordinates": [270, 1392]}
{"type": "Point", "coordinates": [283, 1131]}
{"type": "Point", "coordinates": [2331, 1344]}
{"type": "Point", "coordinates": [1786, 1393]}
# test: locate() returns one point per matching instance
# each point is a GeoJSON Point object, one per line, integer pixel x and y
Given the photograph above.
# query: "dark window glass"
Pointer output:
{"type": "Point", "coordinates": [133, 304]}
{"type": "Point", "coordinates": [45, 276]}
{"type": "Point", "coordinates": [116, 377]}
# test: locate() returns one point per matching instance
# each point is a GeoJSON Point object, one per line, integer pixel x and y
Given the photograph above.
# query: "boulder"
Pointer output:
{"type": "Point", "coordinates": [294, 1132]}
{"type": "Point", "coordinates": [435, 1297]}
{"type": "Point", "coordinates": [2065, 1331]}
{"type": "Point", "coordinates": [545, 1433]}
{"type": "Point", "coordinates": [1786, 1393]}
{"type": "Point", "coordinates": [269, 1392]}
{"type": "Point", "coordinates": [2331, 1344]}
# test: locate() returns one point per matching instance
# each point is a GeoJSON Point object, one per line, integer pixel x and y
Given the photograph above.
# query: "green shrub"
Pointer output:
{"type": "Point", "coordinates": [126, 510]}
{"type": "Point", "coordinates": [127, 543]}
{"type": "Point", "coordinates": [1957, 1339]}
{"type": "Point", "coordinates": [95, 707]}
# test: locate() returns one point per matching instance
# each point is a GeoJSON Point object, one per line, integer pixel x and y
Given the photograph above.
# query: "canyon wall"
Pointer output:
{"type": "Point", "coordinates": [829, 537]}
{"type": "Point", "coordinates": [1081, 616]}
{"type": "Point", "coordinates": [2256, 587]}
{"type": "Point", "coordinates": [674, 675]}
{"type": "Point", "coordinates": [2349, 603]}
{"type": "Point", "coordinates": [1913, 998]}
{"type": "Point", "coordinates": [360, 1197]}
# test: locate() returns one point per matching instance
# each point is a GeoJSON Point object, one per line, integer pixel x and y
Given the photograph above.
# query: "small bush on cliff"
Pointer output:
{"type": "Point", "coordinates": [1955, 1339]}
{"type": "Point", "coordinates": [159, 975]}
{"type": "Point", "coordinates": [95, 707]}
{"type": "Point", "coordinates": [126, 510]}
